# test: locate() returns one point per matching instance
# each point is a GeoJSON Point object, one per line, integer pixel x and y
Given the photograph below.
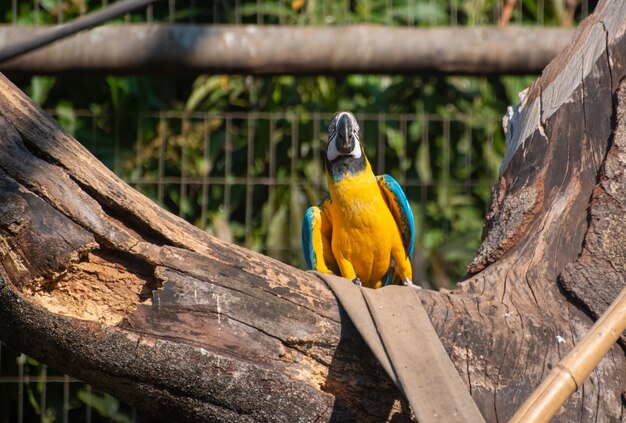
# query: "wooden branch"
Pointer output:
{"type": "Point", "coordinates": [99, 282]}
{"type": "Point", "coordinates": [172, 49]}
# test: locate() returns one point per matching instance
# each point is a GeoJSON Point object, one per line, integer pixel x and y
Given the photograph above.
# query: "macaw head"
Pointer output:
{"type": "Point", "coordinates": [344, 153]}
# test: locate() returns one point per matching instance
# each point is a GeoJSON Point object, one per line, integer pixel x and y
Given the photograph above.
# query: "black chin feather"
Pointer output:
{"type": "Point", "coordinates": [344, 165]}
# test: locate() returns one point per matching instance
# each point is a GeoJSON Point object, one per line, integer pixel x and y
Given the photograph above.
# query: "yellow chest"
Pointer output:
{"type": "Point", "coordinates": [363, 227]}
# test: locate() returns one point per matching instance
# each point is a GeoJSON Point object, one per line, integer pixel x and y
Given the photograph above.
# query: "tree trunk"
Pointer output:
{"type": "Point", "coordinates": [99, 282]}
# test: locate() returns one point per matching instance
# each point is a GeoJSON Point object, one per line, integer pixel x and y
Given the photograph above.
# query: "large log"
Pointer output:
{"type": "Point", "coordinates": [101, 283]}
{"type": "Point", "coordinates": [250, 49]}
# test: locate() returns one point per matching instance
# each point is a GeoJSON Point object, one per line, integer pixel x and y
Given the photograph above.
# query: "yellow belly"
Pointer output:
{"type": "Point", "coordinates": [363, 228]}
{"type": "Point", "coordinates": [368, 250]}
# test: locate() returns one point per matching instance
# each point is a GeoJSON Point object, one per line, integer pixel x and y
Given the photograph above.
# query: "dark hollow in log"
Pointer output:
{"type": "Point", "coordinates": [101, 283]}
{"type": "Point", "coordinates": [191, 49]}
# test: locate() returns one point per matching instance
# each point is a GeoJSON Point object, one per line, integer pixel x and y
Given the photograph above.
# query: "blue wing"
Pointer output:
{"type": "Point", "coordinates": [402, 214]}
{"type": "Point", "coordinates": [308, 224]}
{"type": "Point", "coordinates": [316, 240]}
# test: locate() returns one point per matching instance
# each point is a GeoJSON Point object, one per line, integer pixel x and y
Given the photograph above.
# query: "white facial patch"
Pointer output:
{"type": "Point", "coordinates": [332, 152]}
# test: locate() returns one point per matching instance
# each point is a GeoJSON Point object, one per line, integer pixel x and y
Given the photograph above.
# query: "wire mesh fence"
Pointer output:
{"type": "Point", "coordinates": [294, 12]}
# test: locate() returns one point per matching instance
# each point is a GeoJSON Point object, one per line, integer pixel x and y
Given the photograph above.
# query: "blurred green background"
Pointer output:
{"type": "Point", "coordinates": [240, 156]}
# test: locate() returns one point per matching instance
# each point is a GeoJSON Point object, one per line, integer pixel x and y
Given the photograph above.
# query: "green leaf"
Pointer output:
{"type": "Point", "coordinates": [395, 140]}
{"type": "Point", "coordinates": [423, 163]}
{"type": "Point", "coordinates": [40, 87]}
{"type": "Point", "coordinates": [105, 405]}
{"type": "Point", "coordinates": [203, 87]}
{"type": "Point", "coordinates": [66, 116]}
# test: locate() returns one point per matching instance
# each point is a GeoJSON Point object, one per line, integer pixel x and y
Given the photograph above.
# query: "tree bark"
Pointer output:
{"type": "Point", "coordinates": [250, 49]}
{"type": "Point", "coordinates": [101, 283]}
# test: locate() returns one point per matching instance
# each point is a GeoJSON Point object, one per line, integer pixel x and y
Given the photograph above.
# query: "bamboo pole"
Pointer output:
{"type": "Point", "coordinates": [572, 371]}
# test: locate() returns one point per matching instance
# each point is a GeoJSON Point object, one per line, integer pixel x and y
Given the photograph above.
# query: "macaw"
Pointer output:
{"type": "Point", "coordinates": [363, 230]}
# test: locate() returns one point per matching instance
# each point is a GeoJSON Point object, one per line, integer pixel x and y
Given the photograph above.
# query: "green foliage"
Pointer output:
{"type": "Point", "coordinates": [105, 405]}
{"type": "Point", "coordinates": [303, 12]}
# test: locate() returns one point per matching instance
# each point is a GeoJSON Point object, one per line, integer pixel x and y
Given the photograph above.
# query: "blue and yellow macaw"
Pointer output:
{"type": "Point", "coordinates": [363, 230]}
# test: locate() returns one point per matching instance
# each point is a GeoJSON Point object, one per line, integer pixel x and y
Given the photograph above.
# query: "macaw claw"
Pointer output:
{"type": "Point", "coordinates": [357, 281]}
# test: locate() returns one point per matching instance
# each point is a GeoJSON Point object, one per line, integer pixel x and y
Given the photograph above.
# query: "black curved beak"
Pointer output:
{"type": "Point", "coordinates": [345, 138]}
